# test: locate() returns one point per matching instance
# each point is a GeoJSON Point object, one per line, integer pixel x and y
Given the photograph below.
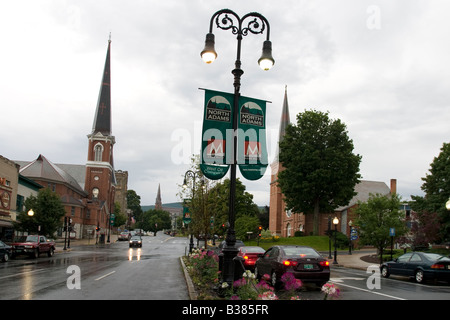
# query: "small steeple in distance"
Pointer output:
{"type": "Point", "coordinates": [102, 120]}
{"type": "Point", "coordinates": [158, 202]}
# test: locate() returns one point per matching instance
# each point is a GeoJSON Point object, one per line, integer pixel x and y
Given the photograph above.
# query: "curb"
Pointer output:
{"type": "Point", "coordinates": [190, 285]}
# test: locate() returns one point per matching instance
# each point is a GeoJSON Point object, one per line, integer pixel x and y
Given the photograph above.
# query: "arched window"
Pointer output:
{"type": "Point", "coordinates": [98, 150]}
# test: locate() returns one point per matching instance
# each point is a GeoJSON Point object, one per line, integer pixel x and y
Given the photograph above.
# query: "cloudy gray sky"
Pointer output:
{"type": "Point", "coordinates": [380, 66]}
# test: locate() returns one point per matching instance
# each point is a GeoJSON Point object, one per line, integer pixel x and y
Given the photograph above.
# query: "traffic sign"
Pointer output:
{"type": "Point", "coordinates": [392, 232]}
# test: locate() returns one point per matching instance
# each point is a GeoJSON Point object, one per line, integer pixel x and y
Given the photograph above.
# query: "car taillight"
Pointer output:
{"type": "Point", "coordinates": [246, 257]}
{"type": "Point", "coordinates": [324, 263]}
{"type": "Point", "coordinates": [438, 266]}
{"type": "Point", "coordinates": [289, 263]}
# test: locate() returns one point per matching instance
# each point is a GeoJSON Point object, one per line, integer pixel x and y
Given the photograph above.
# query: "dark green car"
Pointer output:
{"type": "Point", "coordinates": [421, 266]}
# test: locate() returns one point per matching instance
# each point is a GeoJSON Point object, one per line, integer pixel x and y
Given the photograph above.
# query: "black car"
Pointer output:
{"type": "Point", "coordinates": [238, 244]}
{"type": "Point", "coordinates": [419, 265]}
{"type": "Point", "coordinates": [5, 251]}
{"type": "Point", "coordinates": [135, 241]}
{"type": "Point", "coordinates": [303, 262]}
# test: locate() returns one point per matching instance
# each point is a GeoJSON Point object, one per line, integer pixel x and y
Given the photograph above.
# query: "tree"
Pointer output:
{"type": "Point", "coordinates": [424, 228]}
{"type": "Point", "coordinates": [375, 217]}
{"type": "Point", "coordinates": [320, 170]}
{"type": "Point", "coordinates": [48, 213]}
{"type": "Point", "coordinates": [134, 204]}
{"type": "Point", "coordinates": [437, 191]}
{"type": "Point", "coordinates": [120, 218]}
{"type": "Point", "coordinates": [154, 220]}
{"type": "Point", "coordinates": [246, 223]}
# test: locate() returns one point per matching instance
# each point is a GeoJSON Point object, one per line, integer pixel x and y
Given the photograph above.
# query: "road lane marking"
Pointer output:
{"type": "Point", "coordinates": [370, 291]}
{"type": "Point", "coordinates": [104, 276]}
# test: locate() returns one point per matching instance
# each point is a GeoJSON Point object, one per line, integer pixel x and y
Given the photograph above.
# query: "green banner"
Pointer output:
{"type": "Point", "coordinates": [252, 148]}
{"type": "Point", "coordinates": [217, 136]}
{"type": "Point", "coordinates": [217, 125]}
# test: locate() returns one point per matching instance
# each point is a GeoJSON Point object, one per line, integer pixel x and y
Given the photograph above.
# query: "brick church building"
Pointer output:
{"type": "Point", "coordinates": [285, 223]}
{"type": "Point", "coordinates": [88, 192]}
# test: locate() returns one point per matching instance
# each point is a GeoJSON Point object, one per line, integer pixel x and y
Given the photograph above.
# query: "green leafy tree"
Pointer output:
{"type": "Point", "coordinates": [437, 191]}
{"type": "Point", "coordinates": [320, 170]}
{"type": "Point", "coordinates": [120, 218]}
{"type": "Point", "coordinates": [48, 213]}
{"type": "Point", "coordinates": [134, 204]}
{"type": "Point", "coordinates": [244, 224]}
{"type": "Point", "coordinates": [375, 217]}
{"type": "Point", "coordinates": [154, 220]}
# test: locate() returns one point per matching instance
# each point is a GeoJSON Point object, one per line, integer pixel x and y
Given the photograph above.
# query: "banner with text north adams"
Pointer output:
{"type": "Point", "coordinates": [252, 148]}
{"type": "Point", "coordinates": [217, 129]}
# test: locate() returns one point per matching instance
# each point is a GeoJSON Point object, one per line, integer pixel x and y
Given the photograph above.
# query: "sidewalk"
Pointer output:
{"type": "Point", "coordinates": [344, 259]}
{"type": "Point", "coordinates": [82, 242]}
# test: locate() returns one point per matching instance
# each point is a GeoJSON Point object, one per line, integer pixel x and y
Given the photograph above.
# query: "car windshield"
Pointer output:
{"type": "Point", "coordinates": [135, 238]}
{"type": "Point", "coordinates": [28, 239]}
{"type": "Point", "coordinates": [302, 252]}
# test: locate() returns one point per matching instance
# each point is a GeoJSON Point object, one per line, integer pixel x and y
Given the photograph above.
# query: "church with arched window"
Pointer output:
{"type": "Point", "coordinates": [88, 192]}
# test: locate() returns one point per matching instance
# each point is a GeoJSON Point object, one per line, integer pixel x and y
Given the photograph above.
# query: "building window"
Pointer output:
{"type": "Point", "coordinates": [72, 211]}
{"type": "Point", "coordinates": [98, 150]}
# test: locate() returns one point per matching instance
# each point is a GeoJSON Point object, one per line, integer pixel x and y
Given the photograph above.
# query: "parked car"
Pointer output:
{"type": "Point", "coordinates": [136, 241]}
{"type": "Point", "coordinates": [33, 245]}
{"type": "Point", "coordinates": [124, 236]}
{"type": "Point", "coordinates": [239, 243]}
{"type": "Point", "coordinates": [303, 262]}
{"type": "Point", "coordinates": [5, 251]}
{"type": "Point", "coordinates": [421, 266]}
{"type": "Point", "coordinates": [249, 255]}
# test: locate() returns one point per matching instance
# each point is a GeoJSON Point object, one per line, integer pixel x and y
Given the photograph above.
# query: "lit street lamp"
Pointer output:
{"type": "Point", "coordinates": [335, 222]}
{"type": "Point", "coordinates": [350, 223]}
{"type": "Point", "coordinates": [447, 204]}
{"type": "Point", "coordinates": [228, 20]}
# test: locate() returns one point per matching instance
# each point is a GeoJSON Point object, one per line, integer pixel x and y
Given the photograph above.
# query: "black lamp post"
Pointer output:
{"type": "Point", "coordinates": [228, 20]}
{"type": "Point", "coordinates": [350, 223]}
{"type": "Point", "coordinates": [335, 222]}
{"type": "Point", "coordinates": [193, 175]}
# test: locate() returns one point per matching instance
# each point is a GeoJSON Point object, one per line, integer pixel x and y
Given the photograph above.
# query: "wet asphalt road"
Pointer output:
{"type": "Point", "coordinates": [102, 272]}
{"type": "Point", "coordinates": [116, 272]}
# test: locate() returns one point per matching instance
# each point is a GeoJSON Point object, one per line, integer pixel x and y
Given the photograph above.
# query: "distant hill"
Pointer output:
{"type": "Point", "coordinates": [165, 205]}
{"type": "Point", "coordinates": [178, 205]}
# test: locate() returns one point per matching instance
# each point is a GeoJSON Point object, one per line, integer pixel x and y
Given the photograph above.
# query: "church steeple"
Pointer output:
{"type": "Point", "coordinates": [102, 120]}
{"type": "Point", "coordinates": [158, 202]}
{"type": "Point", "coordinates": [284, 122]}
{"type": "Point", "coordinates": [100, 175]}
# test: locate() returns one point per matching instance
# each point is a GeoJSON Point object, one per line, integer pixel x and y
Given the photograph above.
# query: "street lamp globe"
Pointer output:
{"type": "Point", "coordinates": [447, 204]}
{"type": "Point", "coordinates": [335, 221]}
{"type": "Point", "coordinates": [209, 54]}
{"type": "Point", "coordinates": [266, 61]}
{"type": "Point", "coordinates": [31, 212]}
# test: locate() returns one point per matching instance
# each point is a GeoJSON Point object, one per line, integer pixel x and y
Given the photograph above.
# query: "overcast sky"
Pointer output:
{"type": "Point", "coordinates": [380, 66]}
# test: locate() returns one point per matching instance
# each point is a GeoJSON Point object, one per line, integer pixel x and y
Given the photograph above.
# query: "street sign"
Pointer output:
{"type": "Point", "coordinates": [186, 215]}
{"type": "Point", "coordinates": [392, 232]}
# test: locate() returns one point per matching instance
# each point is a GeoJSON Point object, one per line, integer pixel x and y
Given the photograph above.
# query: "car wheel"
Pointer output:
{"type": "Point", "coordinates": [35, 254]}
{"type": "Point", "coordinates": [50, 252]}
{"type": "Point", "coordinates": [419, 276]}
{"type": "Point", "coordinates": [385, 272]}
{"type": "Point", "coordinates": [5, 257]}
